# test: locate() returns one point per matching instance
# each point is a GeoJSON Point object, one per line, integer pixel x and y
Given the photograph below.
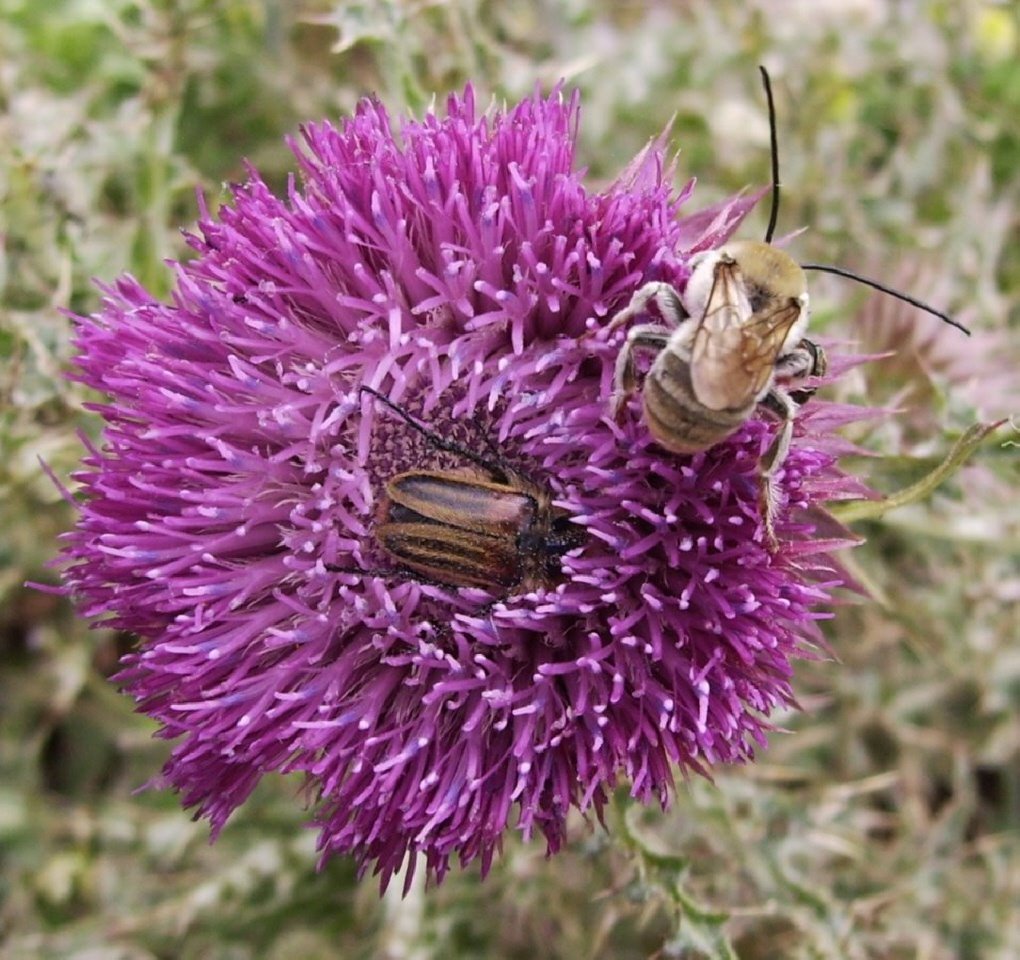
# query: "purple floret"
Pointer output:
{"type": "Point", "coordinates": [227, 515]}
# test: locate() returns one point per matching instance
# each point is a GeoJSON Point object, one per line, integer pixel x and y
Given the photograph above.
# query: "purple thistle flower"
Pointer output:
{"type": "Point", "coordinates": [227, 518]}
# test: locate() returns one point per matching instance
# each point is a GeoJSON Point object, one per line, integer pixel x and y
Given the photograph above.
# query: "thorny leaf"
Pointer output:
{"type": "Point", "coordinates": [852, 510]}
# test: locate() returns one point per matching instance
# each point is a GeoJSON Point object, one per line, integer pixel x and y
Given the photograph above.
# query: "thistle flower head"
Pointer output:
{"type": "Point", "coordinates": [228, 516]}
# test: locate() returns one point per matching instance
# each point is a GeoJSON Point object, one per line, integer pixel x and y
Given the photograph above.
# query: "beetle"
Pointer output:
{"type": "Point", "coordinates": [487, 525]}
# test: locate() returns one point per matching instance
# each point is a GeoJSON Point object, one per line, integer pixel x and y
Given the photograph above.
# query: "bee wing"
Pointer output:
{"type": "Point", "coordinates": [764, 335]}
{"type": "Point", "coordinates": [717, 376]}
{"type": "Point", "coordinates": [734, 351]}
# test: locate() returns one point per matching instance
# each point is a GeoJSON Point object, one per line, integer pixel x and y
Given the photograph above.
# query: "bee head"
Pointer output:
{"type": "Point", "coordinates": [767, 277]}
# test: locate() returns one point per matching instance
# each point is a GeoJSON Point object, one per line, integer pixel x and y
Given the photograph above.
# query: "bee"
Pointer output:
{"type": "Point", "coordinates": [733, 340]}
{"type": "Point", "coordinates": [486, 525]}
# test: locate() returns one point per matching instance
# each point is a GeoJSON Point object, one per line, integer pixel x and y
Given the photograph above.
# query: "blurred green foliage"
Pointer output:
{"type": "Point", "coordinates": [886, 823]}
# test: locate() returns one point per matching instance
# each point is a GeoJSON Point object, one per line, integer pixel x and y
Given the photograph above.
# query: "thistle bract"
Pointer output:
{"type": "Point", "coordinates": [454, 264]}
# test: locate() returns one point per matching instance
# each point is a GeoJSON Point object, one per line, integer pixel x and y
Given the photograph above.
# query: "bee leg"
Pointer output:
{"type": "Point", "coordinates": [665, 297]}
{"type": "Point", "coordinates": [807, 359]}
{"type": "Point", "coordinates": [781, 404]}
{"type": "Point", "coordinates": [645, 336]}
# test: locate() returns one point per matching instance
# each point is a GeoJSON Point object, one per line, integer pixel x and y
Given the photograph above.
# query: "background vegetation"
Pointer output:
{"type": "Point", "coordinates": [885, 823]}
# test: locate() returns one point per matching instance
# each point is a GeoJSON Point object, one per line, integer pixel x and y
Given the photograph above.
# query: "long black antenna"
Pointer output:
{"type": "Point", "coordinates": [825, 268]}
{"type": "Point", "coordinates": [440, 442]}
{"type": "Point", "coordinates": [774, 144]}
{"type": "Point", "coordinates": [906, 298]}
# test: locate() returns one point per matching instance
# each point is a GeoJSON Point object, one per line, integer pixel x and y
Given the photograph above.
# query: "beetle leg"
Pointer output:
{"type": "Point", "coordinates": [396, 575]}
{"type": "Point", "coordinates": [363, 571]}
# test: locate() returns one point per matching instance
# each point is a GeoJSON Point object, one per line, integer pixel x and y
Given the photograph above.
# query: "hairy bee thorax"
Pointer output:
{"type": "Point", "coordinates": [768, 277]}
